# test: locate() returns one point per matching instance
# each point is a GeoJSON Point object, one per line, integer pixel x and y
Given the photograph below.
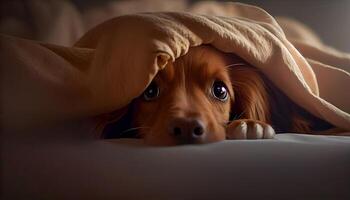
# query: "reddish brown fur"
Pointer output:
{"type": "Point", "coordinates": [252, 100]}
{"type": "Point", "coordinates": [185, 86]}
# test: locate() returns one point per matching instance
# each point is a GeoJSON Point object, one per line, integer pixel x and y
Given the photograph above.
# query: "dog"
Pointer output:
{"type": "Point", "coordinates": [208, 96]}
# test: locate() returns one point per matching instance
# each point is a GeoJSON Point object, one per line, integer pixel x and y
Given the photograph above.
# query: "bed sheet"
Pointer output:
{"type": "Point", "coordinates": [292, 166]}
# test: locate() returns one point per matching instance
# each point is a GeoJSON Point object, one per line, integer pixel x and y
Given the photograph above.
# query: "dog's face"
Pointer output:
{"type": "Point", "coordinates": [190, 102]}
{"type": "Point", "coordinates": [187, 102]}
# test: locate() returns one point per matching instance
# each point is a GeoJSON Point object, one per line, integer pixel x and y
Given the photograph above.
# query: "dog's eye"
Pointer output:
{"type": "Point", "coordinates": [219, 91]}
{"type": "Point", "coordinates": [151, 92]}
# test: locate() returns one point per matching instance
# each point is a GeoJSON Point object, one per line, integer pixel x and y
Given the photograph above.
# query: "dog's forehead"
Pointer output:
{"type": "Point", "coordinates": [199, 62]}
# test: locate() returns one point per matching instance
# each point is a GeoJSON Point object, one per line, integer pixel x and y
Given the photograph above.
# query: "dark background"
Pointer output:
{"type": "Point", "coordinates": [330, 19]}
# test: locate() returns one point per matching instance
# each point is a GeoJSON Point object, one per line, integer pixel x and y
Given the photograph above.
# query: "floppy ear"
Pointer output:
{"type": "Point", "coordinates": [250, 94]}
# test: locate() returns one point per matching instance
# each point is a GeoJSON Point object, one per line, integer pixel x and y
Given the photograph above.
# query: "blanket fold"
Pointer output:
{"type": "Point", "coordinates": [115, 61]}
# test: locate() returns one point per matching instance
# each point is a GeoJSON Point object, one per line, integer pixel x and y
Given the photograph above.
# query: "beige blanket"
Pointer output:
{"type": "Point", "coordinates": [114, 62]}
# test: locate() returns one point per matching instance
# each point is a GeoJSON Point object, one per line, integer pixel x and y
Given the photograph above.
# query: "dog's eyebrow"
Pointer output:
{"type": "Point", "coordinates": [221, 73]}
{"type": "Point", "coordinates": [208, 69]}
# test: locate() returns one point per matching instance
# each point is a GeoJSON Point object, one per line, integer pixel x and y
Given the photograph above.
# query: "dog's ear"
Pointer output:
{"type": "Point", "coordinates": [250, 94]}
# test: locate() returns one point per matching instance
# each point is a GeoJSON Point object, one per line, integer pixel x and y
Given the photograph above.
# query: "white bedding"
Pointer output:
{"type": "Point", "coordinates": [289, 167]}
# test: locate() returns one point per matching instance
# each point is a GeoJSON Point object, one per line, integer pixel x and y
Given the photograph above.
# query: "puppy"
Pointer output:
{"type": "Point", "coordinates": [191, 99]}
{"type": "Point", "coordinates": [208, 96]}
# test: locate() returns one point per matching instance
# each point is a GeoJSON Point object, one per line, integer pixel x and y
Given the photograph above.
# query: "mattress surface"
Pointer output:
{"type": "Point", "coordinates": [292, 166]}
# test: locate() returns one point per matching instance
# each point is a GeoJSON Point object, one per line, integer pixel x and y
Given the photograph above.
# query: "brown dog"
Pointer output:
{"type": "Point", "coordinates": [207, 96]}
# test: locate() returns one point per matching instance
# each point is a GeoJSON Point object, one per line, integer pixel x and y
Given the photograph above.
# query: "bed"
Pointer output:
{"type": "Point", "coordinates": [50, 122]}
{"type": "Point", "coordinates": [291, 166]}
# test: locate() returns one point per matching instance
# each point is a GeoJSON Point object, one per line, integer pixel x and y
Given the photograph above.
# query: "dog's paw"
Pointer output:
{"type": "Point", "coordinates": [249, 129]}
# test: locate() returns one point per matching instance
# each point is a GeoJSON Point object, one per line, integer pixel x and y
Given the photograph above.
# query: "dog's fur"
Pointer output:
{"type": "Point", "coordinates": [186, 103]}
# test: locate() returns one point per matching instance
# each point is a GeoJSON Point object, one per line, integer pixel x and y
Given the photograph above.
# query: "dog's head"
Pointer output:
{"type": "Point", "coordinates": [190, 101]}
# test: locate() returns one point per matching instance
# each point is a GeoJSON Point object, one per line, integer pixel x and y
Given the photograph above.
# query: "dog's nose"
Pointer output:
{"type": "Point", "coordinates": [187, 130]}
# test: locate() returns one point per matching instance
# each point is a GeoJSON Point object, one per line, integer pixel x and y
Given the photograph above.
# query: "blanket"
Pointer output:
{"type": "Point", "coordinates": [114, 62]}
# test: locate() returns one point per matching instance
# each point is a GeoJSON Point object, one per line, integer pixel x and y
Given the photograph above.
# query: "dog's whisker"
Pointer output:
{"type": "Point", "coordinates": [242, 113]}
{"type": "Point", "coordinates": [238, 117]}
{"type": "Point", "coordinates": [236, 64]}
{"type": "Point", "coordinates": [135, 128]}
